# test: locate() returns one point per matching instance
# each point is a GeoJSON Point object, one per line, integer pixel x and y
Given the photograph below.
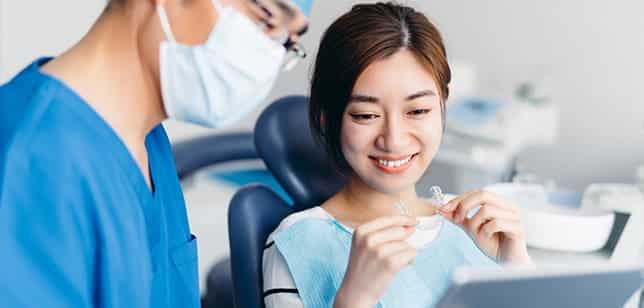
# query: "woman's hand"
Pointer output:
{"type": "Point", "coordinates": [496, 227]}
{"type": "Point", "coordinates": [378, 252]}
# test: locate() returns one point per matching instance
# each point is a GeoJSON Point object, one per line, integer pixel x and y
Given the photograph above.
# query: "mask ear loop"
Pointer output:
{"type": "Point", "coordinates": [165, 23]}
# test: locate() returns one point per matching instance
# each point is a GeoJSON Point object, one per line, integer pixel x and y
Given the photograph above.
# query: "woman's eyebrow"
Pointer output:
{"type": "Point", "coordinates": [359, 98]}
{"type": "Point", "coordinates": [420, 94]}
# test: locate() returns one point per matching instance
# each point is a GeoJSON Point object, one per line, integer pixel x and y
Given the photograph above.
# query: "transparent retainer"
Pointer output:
{"type": "Point", "coordinates": [437, 197]}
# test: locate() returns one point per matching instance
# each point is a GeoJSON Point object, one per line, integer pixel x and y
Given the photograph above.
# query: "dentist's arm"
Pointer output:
{"type": "Point", "coordinates": [45, 257]}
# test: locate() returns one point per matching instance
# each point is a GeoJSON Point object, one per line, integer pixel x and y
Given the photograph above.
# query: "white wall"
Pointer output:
{"type": "Point", "coordinates": [592, 54]}
{"type": "Point", "coordinates": [589, 52]}
{"type": "Point", "coordinates": [35, 28]}
{"type": "Point", "coordinates": [1, 38]}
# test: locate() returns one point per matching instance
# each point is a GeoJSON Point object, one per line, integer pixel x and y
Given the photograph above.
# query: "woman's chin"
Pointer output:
{"type": "Point", "coordinates": [392, 188]}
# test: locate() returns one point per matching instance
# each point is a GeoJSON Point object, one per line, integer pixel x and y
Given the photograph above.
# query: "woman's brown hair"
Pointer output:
{"type": "Point", "coordinates": [367, 33]}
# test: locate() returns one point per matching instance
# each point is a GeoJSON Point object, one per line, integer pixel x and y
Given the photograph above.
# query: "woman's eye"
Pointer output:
{"type": "Point", "coordinates": [363, 116]}
{"type": "Point", "coordinates": [417, 112]}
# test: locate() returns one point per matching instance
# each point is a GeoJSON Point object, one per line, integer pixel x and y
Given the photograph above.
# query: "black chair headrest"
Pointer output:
{"type": "Point", "coordinates": [283, 140]}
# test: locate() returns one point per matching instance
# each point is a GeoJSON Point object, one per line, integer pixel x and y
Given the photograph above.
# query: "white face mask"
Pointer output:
{"type": "Point", "coordinates": [217, 83]}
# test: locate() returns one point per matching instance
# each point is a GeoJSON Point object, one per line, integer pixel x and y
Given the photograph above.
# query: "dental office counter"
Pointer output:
{"type": "Point", "coordinates": [550, 257]}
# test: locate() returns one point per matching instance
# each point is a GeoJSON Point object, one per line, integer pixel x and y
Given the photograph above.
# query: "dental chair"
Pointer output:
{"type": "Point", "coordinates": [194, 155]}
{"type": "Point", "coordinates": [201, 152]}
{"type": "Point", "coordinates": [283, 139]}
{"type": "Point", "coordinates": [284, 142]}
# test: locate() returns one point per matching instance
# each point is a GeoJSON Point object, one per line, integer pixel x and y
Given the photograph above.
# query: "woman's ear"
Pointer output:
{"type": "Point", "coordinates": [323, 124]}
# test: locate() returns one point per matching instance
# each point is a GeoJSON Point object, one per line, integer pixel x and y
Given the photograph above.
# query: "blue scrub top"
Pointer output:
{"type": "Point", "coordinates": [79, 226]}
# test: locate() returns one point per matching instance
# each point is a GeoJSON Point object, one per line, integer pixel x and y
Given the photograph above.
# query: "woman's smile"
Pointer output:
{"type": "Point", "coordinates": [393, 164]}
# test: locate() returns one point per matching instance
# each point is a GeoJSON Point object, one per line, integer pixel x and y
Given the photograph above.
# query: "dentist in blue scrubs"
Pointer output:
{"type": "Point", "coordinates": [91, 211]}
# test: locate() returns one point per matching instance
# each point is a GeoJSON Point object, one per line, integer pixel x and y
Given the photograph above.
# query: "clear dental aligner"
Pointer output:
{"type": "Point", "coordinates": [437, 197]}
{"type": "Point", "coordinates": [439, 200]}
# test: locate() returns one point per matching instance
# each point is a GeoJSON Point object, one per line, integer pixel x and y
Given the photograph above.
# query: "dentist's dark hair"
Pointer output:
{"type": "Point", "coordinates": [366, 34]}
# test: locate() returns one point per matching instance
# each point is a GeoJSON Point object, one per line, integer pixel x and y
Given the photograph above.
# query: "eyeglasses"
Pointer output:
{"type": "Point", "coordinates": [295, 53]}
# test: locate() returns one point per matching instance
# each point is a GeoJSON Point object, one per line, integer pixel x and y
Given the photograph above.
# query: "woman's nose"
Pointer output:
{"type": "Point", "coordinates": [394, 136]}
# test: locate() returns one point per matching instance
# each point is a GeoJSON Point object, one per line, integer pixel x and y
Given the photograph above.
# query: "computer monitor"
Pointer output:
{"type": "Point", "coordinates": [602, 286]}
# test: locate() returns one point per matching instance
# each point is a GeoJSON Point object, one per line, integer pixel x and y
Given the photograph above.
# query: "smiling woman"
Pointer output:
{"type": "Point", "coordinates": [341, 59]}
{"type": "Point", "coordinates": [392, 122]}
{"type": "Point", "coordinates": [378, 106]}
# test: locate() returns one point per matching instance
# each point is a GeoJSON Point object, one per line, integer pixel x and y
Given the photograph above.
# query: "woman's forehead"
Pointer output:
{"type": "Point", "coordinates": [401, 72]}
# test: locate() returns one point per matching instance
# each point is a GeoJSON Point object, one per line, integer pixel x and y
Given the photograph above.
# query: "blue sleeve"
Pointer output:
{"type": "Point", "coordinates": [46, 237]}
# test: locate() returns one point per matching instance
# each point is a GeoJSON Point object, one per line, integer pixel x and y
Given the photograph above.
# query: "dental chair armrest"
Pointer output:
{"type": "Point", "coordinates": [200, 152]}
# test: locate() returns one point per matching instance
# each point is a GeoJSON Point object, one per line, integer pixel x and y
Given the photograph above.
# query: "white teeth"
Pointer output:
{"type": "Point", "coordinates": [394, 163]}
